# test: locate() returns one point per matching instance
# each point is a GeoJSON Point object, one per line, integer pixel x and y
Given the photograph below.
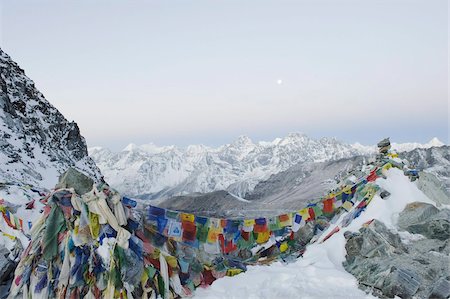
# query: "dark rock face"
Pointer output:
{"type": "Point", "coordinates": [388, 268]}
{"type": "Point", "coordinates": [7, 267]}
{"type": "Point", "coordinates": [36, 142]}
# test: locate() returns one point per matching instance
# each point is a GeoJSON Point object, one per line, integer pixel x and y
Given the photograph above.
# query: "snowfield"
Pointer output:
{"type": "Point", "coordinates": [319, 274]}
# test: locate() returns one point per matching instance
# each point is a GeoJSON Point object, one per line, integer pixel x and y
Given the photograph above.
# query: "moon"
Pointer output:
{"type": "Point", "coordinates": [279, 81]}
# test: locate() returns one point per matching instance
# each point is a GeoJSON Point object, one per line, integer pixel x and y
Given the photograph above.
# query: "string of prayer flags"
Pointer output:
{"type": "Point", "coordinates": [13, 221]}
{"type": "Point", "coordinates": [235, 236]}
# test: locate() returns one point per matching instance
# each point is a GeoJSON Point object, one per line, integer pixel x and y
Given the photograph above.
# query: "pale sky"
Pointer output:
{"type": "Point", "coordinates": [188, 72]}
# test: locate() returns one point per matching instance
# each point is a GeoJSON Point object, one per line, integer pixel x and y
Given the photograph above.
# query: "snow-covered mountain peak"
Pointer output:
{"type": "Point", "coordinates": [197, 149]}
{"type": "Point", "coordinates": [243, 142]}
{"type": "Point", "coordinates": [399, 147]}
{"type": "Point", "coordinates": [409, 146]}
{"type": "Point", "coordinates": [435, 142]}
{"type": "Point", "coordinates": [292, 138]}
{"type": "Point", "coordinates": [130, 147]}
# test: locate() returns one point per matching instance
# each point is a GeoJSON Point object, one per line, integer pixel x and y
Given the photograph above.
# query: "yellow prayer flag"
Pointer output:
{"type": "Point", "coordinates": [94, 225]}
{"type": "Point", "coordinates": [263, 237]}
{"type": "Point", "coordinates": [144, 277]}
{"type": "Point", "coordinates": [249, 222]}
{"type": "Point", "coordinates": [284, 246]}
{"type": "Point", "coordinates": [187, 217]}
{"type": "Point", "coordinates": [233, 272]}
{"type": "Point", "coordinates": [9, 236]}
{"type": "Point", "coordinates": [213, 234]}
{"type": "Point", "coordinates": [347, 189]}
{"type": "Point", "coordinates": [304, 213]}
{"type": "Point", "coordinates": [286, 221]}
{"type": "Point", "coordinates": [171, 261]}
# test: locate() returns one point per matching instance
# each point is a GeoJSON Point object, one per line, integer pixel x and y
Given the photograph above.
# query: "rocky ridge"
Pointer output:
{"type": "Point", "coordinates": [37, 143]}
{"type": "Point", "coordinates": [417, 266]}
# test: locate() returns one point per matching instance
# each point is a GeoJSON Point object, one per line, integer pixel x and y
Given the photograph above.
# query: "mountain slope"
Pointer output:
{"type": "Point", "coordinates": [160, 172]}
{"type": "Point", "coordinates": [37, 143]}
{"type": "Point", "coordinates": [285, 191]}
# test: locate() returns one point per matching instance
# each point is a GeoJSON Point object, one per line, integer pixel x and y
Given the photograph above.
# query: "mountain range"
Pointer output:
{"type": "Point", "coordinates": [152, 172]}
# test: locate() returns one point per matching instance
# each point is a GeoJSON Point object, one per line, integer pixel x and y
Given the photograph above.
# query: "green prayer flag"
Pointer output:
{"type": "Point", "coordinates": [54, 223]}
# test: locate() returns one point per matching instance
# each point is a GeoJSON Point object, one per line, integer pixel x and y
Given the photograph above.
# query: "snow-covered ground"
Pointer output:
{"type": "Point", "coordinates": [319, 274]}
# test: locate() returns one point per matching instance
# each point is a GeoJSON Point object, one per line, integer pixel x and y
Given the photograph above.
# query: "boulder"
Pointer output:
{"type": "Point", "coordinates": [441, 289]}
{"type": "Point", "coordinates": [429, 221]}
{"type": "Point", "coordinates": [414, 213]}
{"type": "Point", "coordinates": [433, 188]}
{"type": "Point", "coordinates": [384, 194]}
{"type": "Point", "coordinates": [72, 178]}
{"type": "Point", "coordinates": [401, 282]}
{"type": "Point", "coordinates": [375, 240]}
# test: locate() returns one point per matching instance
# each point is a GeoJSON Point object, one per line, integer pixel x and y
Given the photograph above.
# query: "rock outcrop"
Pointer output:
{"type": "Point", "coordinates": [388, 267]}
{"type": "Point", "coordinates": [74, 179]}
{"type": "Point", "coordinates": [37, 143]}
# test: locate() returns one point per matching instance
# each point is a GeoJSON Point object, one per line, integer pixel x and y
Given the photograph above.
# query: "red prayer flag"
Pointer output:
{"type": "Point", "coordinates": [260, 228]}
{"type": "Point", "coordinates": [328, 206]}
{"type": "Point", "coordinates": [372, 176]}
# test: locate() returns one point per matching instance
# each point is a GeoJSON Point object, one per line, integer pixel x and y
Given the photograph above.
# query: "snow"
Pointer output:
{"type": "Point", "coordinates": [320, 274]}
{"type": "Point", "coordinates": [408, 237]}
{"type": "Point", "coordinates": [239, 198]}
{"type": "Point", "coordinates": [105, 249]}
